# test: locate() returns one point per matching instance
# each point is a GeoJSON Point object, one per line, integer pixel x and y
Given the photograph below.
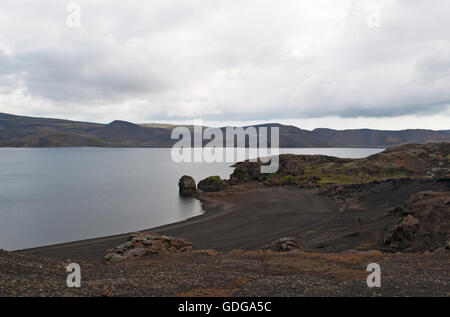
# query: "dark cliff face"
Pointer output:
{"type": "Point", "coordinates": [29, 131]}
{"type": "Point", "coordinates": [424, 223]}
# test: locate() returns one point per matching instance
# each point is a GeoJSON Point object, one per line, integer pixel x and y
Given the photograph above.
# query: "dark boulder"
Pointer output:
{"type": "Point", "coordinates": [142, 243]}
{"type": "Point", "coordinates": [424, 223]}
{"type": "Point", "coordinates": [245, 171]}
{"type": "Point", "coordinates": [284, 245]}
{"type": "Point", "coordinates": [187, 186]}
{"type": "Point", "coordinates": [403, 234]}
{"type": "Point", "coordinates": [212, 184]}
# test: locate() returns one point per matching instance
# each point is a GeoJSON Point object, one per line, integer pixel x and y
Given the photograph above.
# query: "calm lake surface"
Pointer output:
{"type": "Point", "coordinates": [55, 195]}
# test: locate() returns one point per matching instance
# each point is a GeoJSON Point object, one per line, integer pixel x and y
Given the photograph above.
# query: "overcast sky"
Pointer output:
{"type": "Point", "coordinates": [323, 63]}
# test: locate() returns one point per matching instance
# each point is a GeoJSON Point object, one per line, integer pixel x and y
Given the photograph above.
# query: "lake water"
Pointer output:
{"type": "Point", "coordinates": [54, 195]}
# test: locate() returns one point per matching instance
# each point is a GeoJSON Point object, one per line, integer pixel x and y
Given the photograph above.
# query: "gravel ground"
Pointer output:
{"type": "Point", "coordinates": [237, 273]}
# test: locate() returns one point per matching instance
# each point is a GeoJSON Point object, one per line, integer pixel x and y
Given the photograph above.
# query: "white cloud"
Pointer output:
{"type": "Point", "coordinates": [226, 60]}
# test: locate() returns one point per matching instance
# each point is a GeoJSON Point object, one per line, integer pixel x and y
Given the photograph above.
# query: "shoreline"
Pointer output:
{"type": "Point", "coordinates": [115, 239]}
{"type": "Point", "coordinates": [215, 228]}
{"type": "Point", "coordinates": [250, 216]}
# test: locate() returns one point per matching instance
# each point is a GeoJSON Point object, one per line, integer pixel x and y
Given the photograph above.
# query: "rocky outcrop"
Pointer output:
{"type": "Point", "coordinates": [284, 245]}
{"type": "Point", "coordinates": [403, 234]}
{"type": "Point", "coordinates": [430, 161]}
{"type": "Point", "coordinates": [212, 184]}
{"type": "Point", "coordinates": [245, 171]}
{"type": "Point", "coordinates": [142, 243]}
{"type": "Point", "coordinates": [187, 186]}
{"type": "Point", "coordinates": [425, 223]}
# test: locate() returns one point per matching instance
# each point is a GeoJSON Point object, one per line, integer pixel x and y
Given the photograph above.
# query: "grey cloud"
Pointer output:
{"type": "Point", "coordinates": [74, 76]}
{"type": "Point", "coordinates": [234, 60]}
{"type": "Point", "coordinates": [387, 111]}
{"type": "Point", "coordinates": [435, 67]}
{"type": "Point", "coordinates": [7, 65]}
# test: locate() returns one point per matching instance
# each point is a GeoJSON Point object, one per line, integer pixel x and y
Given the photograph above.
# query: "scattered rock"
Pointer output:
{"type": "Point", "coordinates": [125, 246]}
{"type": "Point", "coordinates": [142, 243]}
{"type": "Point", "coordinates": [136, 252]}
{"type": "Point", "coordinates": [110, 250]}
{"type": "Point", "coordinates": [212, 184]}
{"type": "Point", "coordinates": [108, 256]}
{"type": "Point", "coordinates": [187, 186]}
{"type": "Point", "coordinates": [403, 234]}
{"type": "Point", "coordinates": [115, 257]}
{"type": "Point", "coordinates": [136, 239]}
{"type": "Point", "coordinates": [284, 245]}
{"type": "Point", "coordinates": [424, 225]}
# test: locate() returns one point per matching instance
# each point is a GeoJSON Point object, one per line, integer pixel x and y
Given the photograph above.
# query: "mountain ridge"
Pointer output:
{"type": "Point", "coordinates": [24, 131]}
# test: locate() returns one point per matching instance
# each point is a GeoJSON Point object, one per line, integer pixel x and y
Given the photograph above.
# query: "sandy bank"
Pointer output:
{"type": "Point", "coordinates": [251, 216]}
{"type": "Point", "coordinates": [238, 218]}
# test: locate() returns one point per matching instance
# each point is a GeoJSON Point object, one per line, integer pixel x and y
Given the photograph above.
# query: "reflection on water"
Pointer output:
{"type": "Point", "coordinates": [53, 195]}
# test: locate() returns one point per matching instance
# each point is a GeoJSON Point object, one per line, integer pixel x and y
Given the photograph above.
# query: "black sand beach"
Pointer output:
{"type": "Point", "coordinates": [245, 220]}
{"type": "Point", "coordinates": [249, 218]}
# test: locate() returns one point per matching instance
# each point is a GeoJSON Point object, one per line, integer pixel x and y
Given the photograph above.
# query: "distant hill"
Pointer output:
{"type": "Point", "coordinates": [377, 138]}
{"type": "Point", "coordinates": [21, 131]}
